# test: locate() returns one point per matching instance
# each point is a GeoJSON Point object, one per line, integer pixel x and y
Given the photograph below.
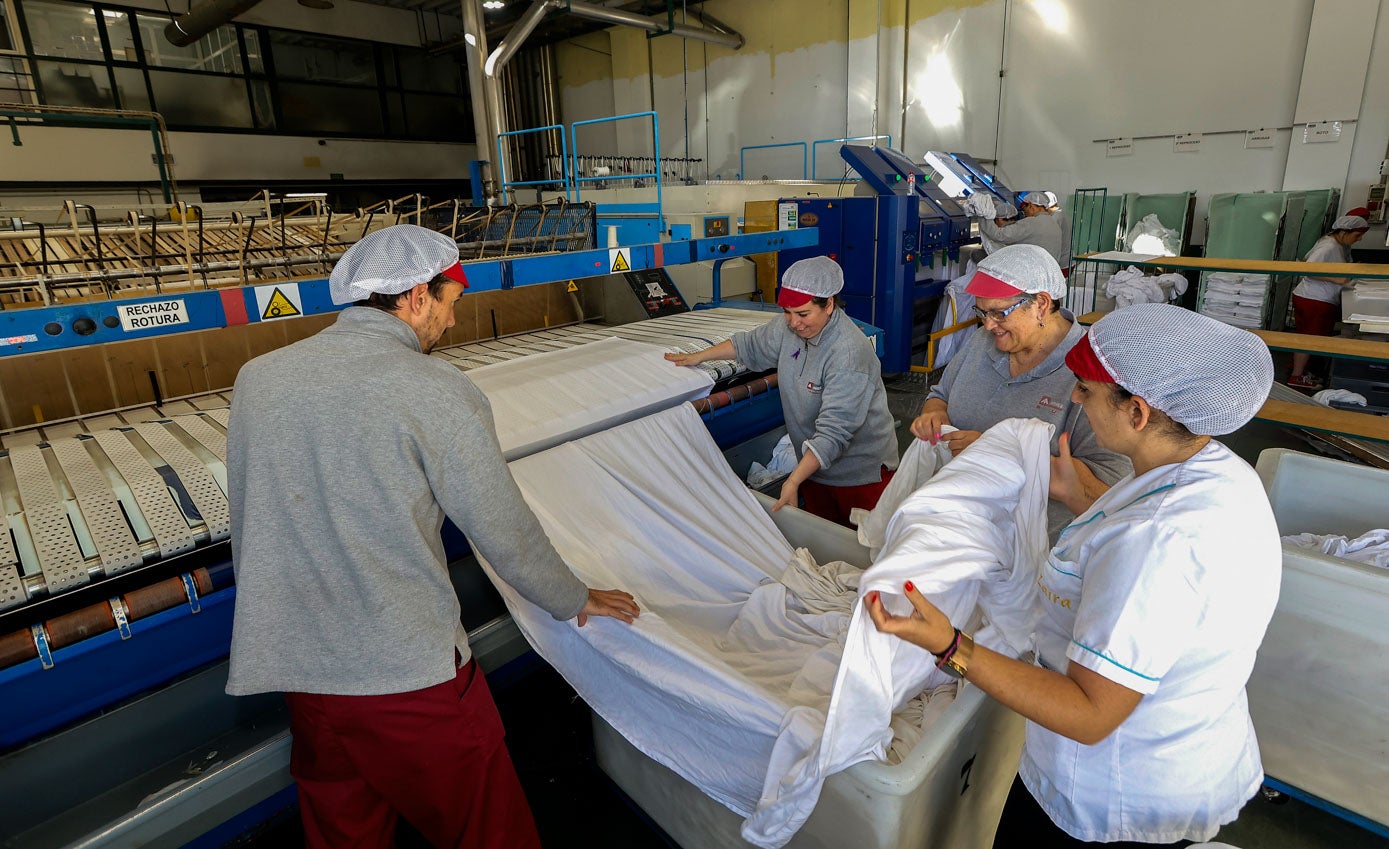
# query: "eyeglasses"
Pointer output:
{"type": "Point", "coordinates": [998, 316]}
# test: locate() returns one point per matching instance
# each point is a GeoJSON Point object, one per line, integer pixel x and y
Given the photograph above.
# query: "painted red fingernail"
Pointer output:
{"type": "Point", "coordinates": [909, 586]}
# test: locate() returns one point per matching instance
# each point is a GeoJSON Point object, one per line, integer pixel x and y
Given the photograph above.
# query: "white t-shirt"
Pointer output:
{"type": "Point", "coordinates": [1327, 249]}
{"type": "Point", "coordinates": [1165, 586]}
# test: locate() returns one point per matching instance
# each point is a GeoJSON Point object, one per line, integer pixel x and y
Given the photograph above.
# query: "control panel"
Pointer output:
{"type": "Point", "coordinates": [716, 226]}
{"type": "Point", "coordinates": [656, 292]}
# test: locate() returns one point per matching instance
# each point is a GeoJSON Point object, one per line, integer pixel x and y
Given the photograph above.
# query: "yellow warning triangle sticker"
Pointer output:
{"type": "Point", "coordinates": [620, 263]}
{"type": "Point", "coordinates": [572, 287]}
{"type": "Point", "coordinates": [278, 307]}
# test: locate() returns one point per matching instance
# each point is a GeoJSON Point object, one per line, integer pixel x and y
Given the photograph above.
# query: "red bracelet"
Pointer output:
{"type": "Point", "coordinates": [942, 659]}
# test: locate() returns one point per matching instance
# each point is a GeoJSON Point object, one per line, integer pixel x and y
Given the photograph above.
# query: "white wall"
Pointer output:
{"type": "Point", "coordinates": [1074, 73]}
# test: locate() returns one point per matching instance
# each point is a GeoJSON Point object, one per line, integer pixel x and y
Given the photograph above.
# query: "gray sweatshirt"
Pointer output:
{"type": "Point", "coordinates": [344, 453]}
{"type": "Point", "coordinates": [979, 392]}
{"type": "Point", "coordinates": [1050, 231]}
{"type": "Point", "coordinates": [832, 396]}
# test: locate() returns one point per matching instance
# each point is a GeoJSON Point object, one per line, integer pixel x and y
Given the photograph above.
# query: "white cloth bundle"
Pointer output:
{"type": "Point", "coordinates": [1345, 396]}
{"type": "Point", "coordinates": [1371, 547]}
{"type": "Point", "coordinates": [975, 533]}
{"type": "Point", "coordinates": [729, 676]}
{"type": "Point", "coordinates": [919, 464]}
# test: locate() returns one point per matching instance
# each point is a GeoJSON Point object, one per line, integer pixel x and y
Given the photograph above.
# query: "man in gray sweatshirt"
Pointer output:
{"type": "Point", "coordinates": [344, 453]}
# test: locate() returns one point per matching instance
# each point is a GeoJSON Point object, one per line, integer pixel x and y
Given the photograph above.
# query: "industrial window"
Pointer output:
{"type": "Point", "coordinates": [7, 36]}
{"type": "Point", "coordinates": [218, 52]}
{"type": "Point", "coordinates": [63, 29]}
{"type": "Point", "coordinates": [71, 84]}
{"type": "Point", "coordinates": [300, 56]}
{"type": "Point", "coordinates": [238, 77]}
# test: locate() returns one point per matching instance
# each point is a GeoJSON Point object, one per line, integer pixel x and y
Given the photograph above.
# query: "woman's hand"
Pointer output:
{"type": "Point", "coordinates": [1072, 483]}
{"type": "Point", "coordinates": [790, 494]}
{"type": "Point", "coordinates": [959, 440]}
{"type": "Point", "coordinates": [927, 627]}
{"type": "Point", "coordinates": [681, 359]}
{"type": "Point", "coordinates": [927, 425]}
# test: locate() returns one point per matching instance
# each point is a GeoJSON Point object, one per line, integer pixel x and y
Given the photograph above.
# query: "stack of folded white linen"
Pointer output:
{"type": "Point", "coordinates": [1236, 299]}
{"type": "Point", "coordinates": [1366, 301]}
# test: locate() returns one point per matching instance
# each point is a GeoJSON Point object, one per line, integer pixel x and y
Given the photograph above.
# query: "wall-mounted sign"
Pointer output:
{"type": "Point", "coordinates": [1186, 143]}
{"type": "Point", "coordinates": [1258, 139]}
{"type": "Point", "coordinates": [1321, 131]}
{"type": "Point", "coordinates": [1118, 147]}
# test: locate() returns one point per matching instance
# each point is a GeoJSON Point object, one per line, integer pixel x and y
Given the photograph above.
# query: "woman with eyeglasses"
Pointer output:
{"type": "Point", "coordinates": [1014, 367]}
{"type": "Point", "coordinates": [1152, 603]}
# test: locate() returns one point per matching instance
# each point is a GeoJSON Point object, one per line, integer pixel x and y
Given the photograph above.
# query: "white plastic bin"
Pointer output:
{"type": "Point", "coordinates": [949, 792]}
{"type": "Point", "coordinates": [1319, 694]}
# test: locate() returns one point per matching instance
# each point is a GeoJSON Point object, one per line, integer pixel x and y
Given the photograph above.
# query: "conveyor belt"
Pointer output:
{"type": "Point", "coordinates": [687, 332]}
{"type": "Point", "coordinates": [94, 496]}
{"type": "Point", "coordinates": [115, 544]}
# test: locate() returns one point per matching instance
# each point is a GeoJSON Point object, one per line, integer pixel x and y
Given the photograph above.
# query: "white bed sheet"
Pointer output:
{"type": "Point", "coordinates": [544, 399]}
{"type": "Point", "coordinates": [727, 676]}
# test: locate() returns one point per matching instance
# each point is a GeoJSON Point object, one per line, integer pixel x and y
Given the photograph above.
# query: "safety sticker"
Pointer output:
{"type": "Point", "coordinates": [33, 337]}
{"type": "Point", "coordinates": [277, 302]}
{"type": "Point", "coordinates": [152, 314]}
{"type": "Point", "coordinates": [572, 287]}
{"type": "Point", "coordinates": [619, 260]}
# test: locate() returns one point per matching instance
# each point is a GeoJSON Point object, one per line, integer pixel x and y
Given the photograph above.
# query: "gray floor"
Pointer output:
{"type": "Point", "coordinates": [1263, 824]}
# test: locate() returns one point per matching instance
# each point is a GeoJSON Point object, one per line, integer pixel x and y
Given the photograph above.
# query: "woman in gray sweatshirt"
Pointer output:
{"type": "Point", "coordinates": [831, 390]}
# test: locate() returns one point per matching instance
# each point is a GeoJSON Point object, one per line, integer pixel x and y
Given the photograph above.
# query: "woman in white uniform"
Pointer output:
{"type": "Point", "coordinates": [1154, 600]}
{"type": "Point", "coordinates": [1317, 300]}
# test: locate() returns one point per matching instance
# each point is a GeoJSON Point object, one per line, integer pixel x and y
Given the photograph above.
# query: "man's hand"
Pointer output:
{"type": "Point", "coordinates": [614, 603]}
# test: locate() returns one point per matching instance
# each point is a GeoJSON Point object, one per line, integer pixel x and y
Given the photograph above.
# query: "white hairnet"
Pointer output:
{"type": "Point", "coordinates": [1350, 222]}
{"type": "Point", "coordinates": [1005, 210]}
{"type": "Point", "coordinates": [817, 276]}
{"type": "Point", "coordinates": [1204, 374]}
{"type": "Point", "coordinates": [1027, 268]}
{"type": "Point", "coordinates": [1037, 198]}
{"type": "Point", "coordinates": [393, 260]}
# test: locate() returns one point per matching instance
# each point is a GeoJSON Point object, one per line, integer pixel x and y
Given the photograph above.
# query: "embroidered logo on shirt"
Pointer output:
{"type": "Point", "coordinates": [796, 354]}
{"type": "Point", "coordinates": [1050, 404]}
{"type": "Point", "coordinates": [1052, 596]}
{"type": "Point", "coordinates": [813, 387]}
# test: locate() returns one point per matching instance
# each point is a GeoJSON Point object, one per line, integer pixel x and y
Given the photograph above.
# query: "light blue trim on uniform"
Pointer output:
{"type": "Point", "coordinates": [1162, 488]}
{"type": "Point", "coordinates": [1115, 662]}
{"type": "Point", "coordinates": [1062, 571]}
{"type": "Point", "coordinates": [1101, 514]}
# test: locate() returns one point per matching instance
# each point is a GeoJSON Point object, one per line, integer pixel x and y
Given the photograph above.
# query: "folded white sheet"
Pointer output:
{"type": "Point", "coordinates": [537, 403]}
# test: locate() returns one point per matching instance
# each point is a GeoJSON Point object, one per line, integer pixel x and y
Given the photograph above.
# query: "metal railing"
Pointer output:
{"type": "Point", "coordinates": [742, 156]}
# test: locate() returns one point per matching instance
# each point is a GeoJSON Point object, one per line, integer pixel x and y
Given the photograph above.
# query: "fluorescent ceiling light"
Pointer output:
{"type": "Point", "coordinates": [493, 4]}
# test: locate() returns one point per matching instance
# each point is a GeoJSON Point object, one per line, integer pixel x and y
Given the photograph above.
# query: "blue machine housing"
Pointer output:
{"type": "Point", "coordinates": [884, 241]}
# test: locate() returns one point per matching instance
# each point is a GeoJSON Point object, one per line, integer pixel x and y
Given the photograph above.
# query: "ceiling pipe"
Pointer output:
{"type": "Point", "coordinates": [593, 12]}
{"type": "Point", "coordinates": [203, 19]}
{"type": "Point", "coordinates": [520, 31]}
